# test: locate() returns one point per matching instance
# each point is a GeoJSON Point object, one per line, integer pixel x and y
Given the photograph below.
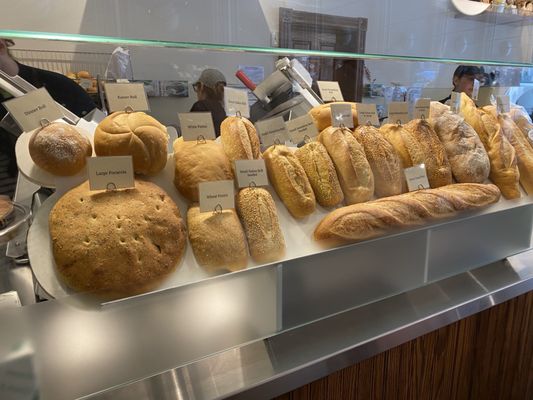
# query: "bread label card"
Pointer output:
{"type": "Point", "coordinates": [503, 104]}
{"type": "Point", "coordinates": [421, 110]}
{"type": "Point", "coordinates": [125, 96]}
{"type": "Point", "coordinates": [455, 102]}
{"type": "Point", "coordinates": [196, 125]}
{"type": "Point", "coordinates": [330, 91]}
{"type": "Point", "coordinates": [367, 114]}
{"type": "Point", "coordinates": [341, 115]}
{"type": "Point", "coordinates": [33, 109]}
{"type": "Point", "coordinates": [416, 177]}
{"type": "Point", "coordinates": [251, 173]}
{"type": "Point", "coordinates": [110, 173]}
{"type": "Point", "coordinates": [216, 196]}
{"type": "Point", "coordinates": [272, 131]}
{"type": "Point", "coordinates": [236, 102]}
{"type": "Point", "coordinates": [398, 112]}
{"type": "Point", "coordinates": [475, 90]}
{"type": "Point", "coordinates": [86, 83]}
{"type": "Point", "coordinates": [301, 128]}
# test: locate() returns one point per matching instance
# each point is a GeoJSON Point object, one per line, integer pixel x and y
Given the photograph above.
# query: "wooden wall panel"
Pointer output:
{"type": "Point", "coordinates": [486, 356]}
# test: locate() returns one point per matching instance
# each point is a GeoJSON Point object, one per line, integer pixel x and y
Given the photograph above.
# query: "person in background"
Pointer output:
{"type": "Point", "coordinates": [210, 91]}
{"type": "Point", "coordinates": [463, 80]}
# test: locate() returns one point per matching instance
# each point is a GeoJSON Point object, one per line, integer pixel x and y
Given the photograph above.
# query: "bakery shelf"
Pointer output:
{"type": "Point", "coordinates": [275, 51]}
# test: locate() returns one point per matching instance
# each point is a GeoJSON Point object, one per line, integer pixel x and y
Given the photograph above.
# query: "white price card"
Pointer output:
{"type": "Point", "coordinates": [398, 112]}
{"type": "Point", "coordinates": [196, 125]}
{"type": "Point", "coordinates": [503, 104]}
{"type": "Point", "coordinates": [301, 128]}
{"type": "Point", "coordinates": [330, 91]}
{"type": "Point", "coordinates": [421, 110]}
{"type": "Point", "coordinates": [272, 131]}
{"type": "Point", "coordinates": [251, 173]}
{"type": "Point", "coordinates": [342, 115]}
{"type": "Point", "coordinates": [124, 96]}
{"type": "Point", "coordinates": [110, 173]}
{"type": "Point", "coordinates": [33, 109]}
{"type": "Point", "coordinates": [86, 83]}
{"type": "Point", "coordinates": [416, 177]}
{"type": "Point", "coordinates": [236, 102]}
{"type": "Point", "coordinates": [216, 196]}
{"type": "Point", "coordinates": [455, 102]}
{"type": "Point", "coordinates": [367, 114]}
{"type": "Point", "coordinates": [475, 90]}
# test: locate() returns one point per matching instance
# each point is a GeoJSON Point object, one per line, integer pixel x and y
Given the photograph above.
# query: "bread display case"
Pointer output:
{"type": "Point", "coordinates": [142, 285]}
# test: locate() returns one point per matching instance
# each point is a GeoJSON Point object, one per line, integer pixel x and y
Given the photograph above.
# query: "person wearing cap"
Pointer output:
{"type": "Point", "coordinates": [210, 91]}
{"type": "Point", "coordinates": [463, 80]}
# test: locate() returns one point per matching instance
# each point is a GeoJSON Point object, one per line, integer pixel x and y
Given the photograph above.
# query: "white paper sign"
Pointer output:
{"type": "Point", "coordinates": [272, 131]}
{"type": "Point", "coordinates": [455, 102]}
{"type": "Point", "coordinates": [236, 102]}
{"type": "Point", "coordinates": [251, 173]}
{"type": "Point", "coordinates": [475, 90]}
{"type": "Point", "coordinates": [196, 125]}
{"type": "Point", "coordinates": [33, 108]}
{"type": "Point", "coordinates": [330, 91]}
{"type": "Point", "coordinates": [503, 104]}
{"type": "Point", "coordinates": [216, 196]}
{"type": "Point", "coordinates": [398, 112]}
{"type": "Point", "coordinates": [421, 110]}
{"type": "Point", "coordinates": [121, 96]}
{"type": "Point", "coordinates": [367, 113]}
{"type": "Point", "coordinates": [341, 114]}
{"type": "Point", "coordinates": [300, 128]}
{"type": "Point", "coordinates": [416, 177]}
{"type": "Point", "coordinates": [109, 173]}
{"type": "Point", "coordinates": [86, 83]}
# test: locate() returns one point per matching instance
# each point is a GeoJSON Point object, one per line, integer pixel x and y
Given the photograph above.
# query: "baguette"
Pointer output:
{"type": "Point", "coordinates": [261, 224]}
{"type": "Point", "coordinates": [321, 115]}
{"type": "Point", "coordinates": [379, 217]}
{"type": "Point", "coordinates": [239, 139]}
{"type": "Point", "coordinates": [348, 156]}
{"type": "Point", "coordinates": [320, 170]}
{"type": "Point", "coordinates": [383, 160]}
{"type": "Point", "coordinates": [289, 180]}
{"type": "Point", "coordinates": [425, 148]}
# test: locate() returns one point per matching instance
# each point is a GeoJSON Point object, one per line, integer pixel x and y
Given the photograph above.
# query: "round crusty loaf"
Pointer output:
{"type": "Point", "coordinates": [116, 243]}
{"type": "Point", "coordinates": [133, 134]}
{"type": "Point", "coordinates": [261, 224]}
{"type": "Point", "coordinates": [320, 170]}
{"type": "Point", "coordinates": [239, 139]}
{"type": "Point", "coordinates": [60, 149]}
{"type": "Point", "coordinates": [321, 115]}
{"type": "Point", "coordinates": [198, 162]}
{"type": "Point", "coordinates": [217, 239]}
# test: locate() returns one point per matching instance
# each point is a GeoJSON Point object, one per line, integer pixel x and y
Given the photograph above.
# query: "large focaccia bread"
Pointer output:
{"type": "Point", "coordinates": [321, 115]}
{"type": "Point", "coordinates": [375, 218]}
{"type": "Point", "coordinates": [239, 139]}
{"type": "Point", "coordinates": [133, 134]}
{"type": "Point", "coordinates": [116, 243]}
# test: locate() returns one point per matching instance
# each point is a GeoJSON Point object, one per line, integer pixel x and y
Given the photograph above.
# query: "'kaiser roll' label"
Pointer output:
{"type": "Point", "coordinates": [126, 96]}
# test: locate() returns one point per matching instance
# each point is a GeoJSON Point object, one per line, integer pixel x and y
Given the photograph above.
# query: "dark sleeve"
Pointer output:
{"type": "Point", "coordinates": [199, 106]}
{"type": "Point", "coordinates": [62, 89]}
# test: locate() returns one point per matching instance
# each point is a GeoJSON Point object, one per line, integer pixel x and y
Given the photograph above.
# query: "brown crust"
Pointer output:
{"type": "Point", "coordinates": [321, 114]}
{"type": "Point", "coordinates": [239, 139]}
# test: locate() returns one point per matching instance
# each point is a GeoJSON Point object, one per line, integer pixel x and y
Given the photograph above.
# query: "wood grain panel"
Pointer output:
{"type": "Point", "coordinates": [486, 356]}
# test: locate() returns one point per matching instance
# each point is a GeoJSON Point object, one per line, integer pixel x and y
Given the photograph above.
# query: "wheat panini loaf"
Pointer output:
{"type": "Point", "coordinates": [321, 115]}
{"type": "Point", "coordinates": [116, 243]}
{"type": "Point", "coordinates": [348, 156]}
{"type": "Point", "coordinates": [468, 159]}
{"type": "Point", "coordinates": [198, 161]}
{"type": "Point", "coordinates": [60, 149]}
{"type": "Point", "coordinates": [217, 240]}
{"type": "Point", "coordinates": [502, 156]}
{"type": "Point", "coordinates": [320, 170]}
{"type": "Point", "coordinates": [425, 148]}
{"type": "Point", "coordinates": [375, 218]}
{"type": "Point", "coordinates": [289, 180]}
{"type": "Point", "coordinates": [133, 134]}
{"type": "Point", "coordinates": [383, 160]}
{"type": "Point", "coordinates": [239, 139]}
{"type": "Point", "coordinates": [259, 217]}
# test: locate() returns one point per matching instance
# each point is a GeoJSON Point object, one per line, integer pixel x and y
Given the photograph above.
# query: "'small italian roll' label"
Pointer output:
{"type": "Point", "coordinates": [251, 173]}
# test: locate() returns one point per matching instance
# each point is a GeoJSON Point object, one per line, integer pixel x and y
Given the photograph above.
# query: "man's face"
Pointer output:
{"type": "Point", "coordinates": [464, 84]}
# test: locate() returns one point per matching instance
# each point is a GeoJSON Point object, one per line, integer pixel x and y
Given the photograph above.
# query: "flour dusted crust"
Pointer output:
{"type": "Point", "coordinates": [116, 243]}
{"type": "Point", "coordinates": [59, 149]}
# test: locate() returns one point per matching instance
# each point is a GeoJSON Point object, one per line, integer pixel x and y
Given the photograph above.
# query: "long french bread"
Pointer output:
{"type": "Point", "coordinates": [375, 218]}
